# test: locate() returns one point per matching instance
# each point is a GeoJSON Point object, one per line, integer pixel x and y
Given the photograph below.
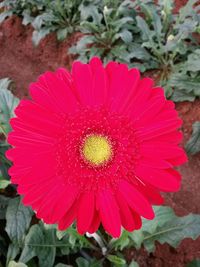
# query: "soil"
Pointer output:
{"type": "Point", "coordinates": [23, 63]}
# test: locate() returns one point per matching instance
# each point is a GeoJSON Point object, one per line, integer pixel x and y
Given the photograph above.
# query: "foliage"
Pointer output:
{"type": "Point", "coordinates": [110, 34]}
{"type": "Point", "coordinates": [193, 145]}
{"type": "Point", "coordinates": [62, 17]}
{"type": "Point", "coordinates": [58, 16]}
{"type": "Point", "coordinates": [140, 33]}
{"type": "Point", "coordinates": [165, 228]}
{"type": "Point", "coordinates": [186, 79]}
{"type": "Point", "coordinates": [7, 104]}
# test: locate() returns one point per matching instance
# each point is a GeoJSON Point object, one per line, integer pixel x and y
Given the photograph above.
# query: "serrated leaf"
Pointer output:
{"type": "Point", "coordinates": [182, 95]}
{"type": "Point", "coordinates": [193, 145]}
{"type": "Point", "coordinates": [172, 230]}
{"type": "Point", "coordinates": [193, 62]}
{"type": "Point", "coordinates": [182, 81]}
{"type": "Point", "coordinates": [120, 243]}
{"type": "Point", "coordinates": [8, 102]}
{"type": "Point", "coordinates": [126, 36]}
{"type": "Point", "coordinates": [186, 10]}
{"type": "Point", "coordinates": [40, 242]}
{"type": "Point", "coordinates": [116, 260]}
{"type": "Point", "coordinates": [146, 32]}
{"type": "Point", "coordinates": [18, 218]}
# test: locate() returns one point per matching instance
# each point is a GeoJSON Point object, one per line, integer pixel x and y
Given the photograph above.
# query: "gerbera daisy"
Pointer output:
{"type": "Point", "coordinates": [96, 145]}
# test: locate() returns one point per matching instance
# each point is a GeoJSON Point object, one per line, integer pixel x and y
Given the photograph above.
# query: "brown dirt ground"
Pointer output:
{"type": "Point", "coordinates": [22, 62]}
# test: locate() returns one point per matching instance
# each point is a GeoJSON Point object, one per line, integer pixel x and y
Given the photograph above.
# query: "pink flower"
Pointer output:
{"type": "Point", "coordinates": [96, 145]}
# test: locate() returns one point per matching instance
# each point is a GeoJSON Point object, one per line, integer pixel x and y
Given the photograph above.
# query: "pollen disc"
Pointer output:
{"type": "Point", "coordinates": [97, 149]}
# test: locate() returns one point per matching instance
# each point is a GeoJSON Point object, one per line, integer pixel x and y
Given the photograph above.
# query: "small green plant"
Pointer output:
{"type": "Point", "coordinates": [109, 34]}
{"type": "Point", "coordinates": [62, 17]}
{"type": "Point", "coordinates": [168, 38]}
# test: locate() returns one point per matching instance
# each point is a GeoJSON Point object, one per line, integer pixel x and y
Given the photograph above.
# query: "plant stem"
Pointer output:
{"type": "Point", "coordinates": [99, 241]}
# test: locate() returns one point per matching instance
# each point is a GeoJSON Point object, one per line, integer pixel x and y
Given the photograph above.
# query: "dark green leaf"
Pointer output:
{"type": "Point", "coordinates": [13, 251]}
{"type": "Point", "coordinates": [3, 206]}
{"type": "Point", "coordinates": [40, 242]}
{"type": "Point", "coordinates": [18, 218]}
{"type": "Point", "coordinates": [169, 229]}
{"type": "Point", "coordinates": [193, 145]}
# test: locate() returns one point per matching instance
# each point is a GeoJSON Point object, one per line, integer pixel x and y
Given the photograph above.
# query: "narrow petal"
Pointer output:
{"type": "Point", "coordinates": [60, 202]}
{"type": "Point", "coordinates": [164, 180]}
{"type": "Point", "coordinates": [68, 218]}
{"type": "Point", "coordinates": [95, 223]}
{"type": "Point", "coordinates": [109, 212]}
{"type": "Point", "coordinates": [136, 200]}
{"type": "Point", "coordinates": [125, 213]}
{"type": "Point", "coordinates": [85, 211]}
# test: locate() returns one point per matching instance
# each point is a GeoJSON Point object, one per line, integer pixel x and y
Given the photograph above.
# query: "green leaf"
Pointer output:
{"type": "Point", "coordinates": [169, 229]}
{"type": "Point", "coordinates": [40, 242]}
{"type": "Point", "coordinates": [126, 36]}
{"type": "Point", "coordinates": [62, 34]}
{"type": "Point", "coordinates": [182, 95]}
{"type": "Point", "coordinates": [16, 264]}
{"type": "Point", "coordinates": [38, 35]}
{"type": "Point", "coordinates": [120, 243]}
{"type": "Point", "coordinates": [3, 206]}
{"type": "Point", "coordinates": [8, 102]}
{"type": "Point", "coordinates": [116, 260]}
{"type": "Point", "coordinates": [143, 26]}
{"type": "Point", "coordinates": [182, 81]}
{"type": "Point", "coordinates": [13, 251]}
{"type": "Point", "coordinates": [18, 218]}
{"type": "Point", "coordinates": [186, 10]}
{"type": "Point", "coordinates": [194, 263]}
{"type": "Point", "coordinates": [193, 145]}
{"type": "Point", "coordinates": [82, 262]}
{"type": "Point", "coordinates": [193, 62]}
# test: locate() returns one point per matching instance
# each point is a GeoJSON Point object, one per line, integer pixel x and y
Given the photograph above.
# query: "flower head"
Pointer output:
{"type": "Point", "coordinates": [96, 145]}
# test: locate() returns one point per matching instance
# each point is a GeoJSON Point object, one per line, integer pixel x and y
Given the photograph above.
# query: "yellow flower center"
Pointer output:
{"type": "Point", "coordinates": [97, 149]}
